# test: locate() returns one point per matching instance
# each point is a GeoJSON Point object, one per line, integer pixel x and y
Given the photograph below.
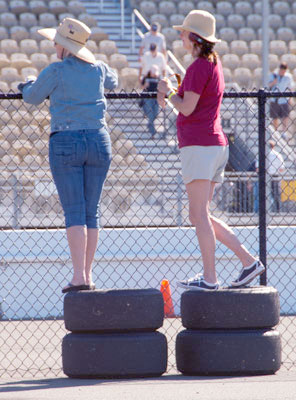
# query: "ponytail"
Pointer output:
{"type": "Point", "coordinates": [206, 48]}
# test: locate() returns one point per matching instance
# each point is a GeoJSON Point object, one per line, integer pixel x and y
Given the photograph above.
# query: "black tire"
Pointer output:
{"type": "Point", "coordinates": [115, 310]}
{"type": "Point", "coordinates": [244, 352]}
{"type": "Point", "coordinates": [114, 355]}
{"type": "Point", "coordinates": [244, 308]}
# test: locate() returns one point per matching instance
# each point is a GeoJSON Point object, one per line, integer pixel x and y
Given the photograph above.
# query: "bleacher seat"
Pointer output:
{"type": "Point", "coordinates": [273, 60]}
{"type": "Point", "coordinates": [167, 8]}
{"type": "Point", "coordinates": [247, 34]}
{"type": "Point", "coordinates": [278, 47]}
{"type": "Point", "coordinates": [206, 5]}
{"type": "Point", "coordinates": [275, 21]}
{"type": "Point", "coordinates": [57, 7]}
{"type": "Point", "coordinates": [239, 47]}
{"type": "Point", "coordinates": [184, 7]}
{"type": "Point", "coordinates": [9, 75]}
{"type": "Point", "coordinates": [257, 77]}
{"type": "Point", "coordinates": [47, 20]}
{"type": "Point", "coordinates": [231, 61]}
{"type": "Point", "coordinates": [292, 47]}
{"type": "Point", "coordinates": [222, 48]}
{"type": "Point", "coordinates": [8, 19]}
{"type": "Point", "coordinates": [92, 46]}
{"type": "Point", "coordinates": [256, 47]}
{"type": "Point", "coordinates": [285, 34]}
{"type": "Point", "coordinates": [18, 6]}
{"type": "Point", "coordinates": [88, 19]}
{"type": "Point", "coordinates": [243, 77]}
{"type": "Point", "coordinates": [98, 34]}
{"type": "Point", "coordinates": [34, 33]}
{"type": "Point", "coordinates": [28, 20]}
{"type": "Point", "coordinates": [243, 8]}
{"type": "Point", "coordinates": [293, 7]}
{"type": "Point", "coordinates": [29, 71]}
{"type": "Point", "coordinates": [160, 18]}
{"type": "Point", "coordinates": [250, 61]}
{"type": "Point", "coordinates": [235, 21]}
{"type": "Point", "coordinates": [290, 21]}
{"type": "Point", "coordinates": [4, 88]}
{"type": "Point", "coordinates": [47, 47]}
{"type": "Point", "coordinates": [101, 57]}
{"type": "Point", "coordinates": [4, 60]}
{"type": "Point", "coordinates": [224, 8]}
{"type": "Point", "coordinates": [290, 59]}
{"type": "Point", "coordinates": [29, 46]}
{"type": "Point", "coordinates": [227, 75]}
{"type": "Point", "coordinates": [148, 8]}
{"type": "Point", "coordinates": [53, 58]}
{"type": "Point", "coordinates": [176, 19]}
{"type": "Point", "coordinates": [65, 15]}
{"type": "Point", "coordinates": [129, 78]}
{"type": "Point", "coordinates": [19, 33]}
{"type": "Point", "coordinates": [118, 61]}
{"type": "Point", "coordinates": [76, 7]}
{"type": "Point", "coordinates": [254, 21]}
{"type": "Point", "coordinates": [107, 47]}
{"type": "Point", "coordinates": [258, 7]}
{"type": "Point", "coordinates": [3, 33]}
{"type": "Point", "coordinates": [38, 7]}
{"type": "Point", "coordinates": [19, 60]}
{"type": "Point", "coordinates": [281, 8]}
{"type": "Point", "coordinates": [9, 46]}
{"type": "Point", "coordinates": [170, 34]}
{"type": "Point", "coordinates": [3, 6]}
{"type": "Point", "coordinates": [39, 60]}
{"type": "Point", "coordinates": [272, 35]}
{"type": "Point", "coordinates": [228, 34]}
{"type": "Point", "coordinates": [220, 22]}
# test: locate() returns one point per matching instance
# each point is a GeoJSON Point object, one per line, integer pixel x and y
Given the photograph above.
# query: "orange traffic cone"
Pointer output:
{"type": "Point", "coordinates": [167, 298]}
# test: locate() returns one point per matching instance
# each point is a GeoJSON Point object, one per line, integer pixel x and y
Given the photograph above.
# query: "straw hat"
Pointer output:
{"type": "Point", "coordinates": [202, 23]}
{"type": "Point", "coordinates": [72, 35]}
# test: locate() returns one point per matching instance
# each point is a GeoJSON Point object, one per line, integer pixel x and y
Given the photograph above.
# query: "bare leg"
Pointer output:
{"type": "Point", "coordinates": [91, 247]}
{"type": "Point", "coordinates": [77, 242]}
{"type": "Point", "coordinates": [199, 194]}
{"type": "Point", "coordinates": [226, 236]}
{"type": "Point", "coordinates": [275, 124]}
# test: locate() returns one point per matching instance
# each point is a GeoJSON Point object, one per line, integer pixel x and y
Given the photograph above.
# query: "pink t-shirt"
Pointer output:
{"type": "Point", "coordinates": [203, 126]}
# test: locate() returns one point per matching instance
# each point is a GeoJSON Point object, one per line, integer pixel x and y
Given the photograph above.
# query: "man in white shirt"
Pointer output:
{"type": "Point", "coordinates": [280, 81]}
{"type": "Point", "coordinates": [275, 167]}
{"type": "Point", "coordinates": [152, 57]}
{"type": "Point", "coordinates": [153, 36]}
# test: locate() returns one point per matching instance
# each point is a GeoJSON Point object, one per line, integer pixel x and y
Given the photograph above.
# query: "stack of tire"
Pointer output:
{"type": "Point", "coordinates": [229, 332]}
{"type": "Point", "coordinates": [113, 334]}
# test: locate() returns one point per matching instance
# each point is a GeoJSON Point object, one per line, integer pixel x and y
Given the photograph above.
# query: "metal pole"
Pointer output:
{"type": "Point", "coordinates": [265, 42]}
{"type": "Point", "coordinates": [122, 18]}
{"type": "Point", "coordinates": [179, 200]}
{"type": "Point", "coordinates": [262, 182]}
{"type": "Point", "coordinates": [102, 5]}
{"type": "Point", "coordinates": [133, 32]}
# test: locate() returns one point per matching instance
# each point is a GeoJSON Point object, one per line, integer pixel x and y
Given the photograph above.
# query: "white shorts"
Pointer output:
{"type": "Point", "coordinates": [204, 162]}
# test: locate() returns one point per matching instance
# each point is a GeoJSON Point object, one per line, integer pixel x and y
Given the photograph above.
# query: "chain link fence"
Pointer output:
{"type": "Point", "coordinates": [146, 235]}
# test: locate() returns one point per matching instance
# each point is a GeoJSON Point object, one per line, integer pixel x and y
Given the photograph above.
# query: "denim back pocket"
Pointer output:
{"type": "Point", "coordinates": [62, 152]}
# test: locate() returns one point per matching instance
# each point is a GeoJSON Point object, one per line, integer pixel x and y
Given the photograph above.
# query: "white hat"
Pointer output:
{"type": "Point", "coordinates": [72, 35]}
{"type": "Point", "coordinates": [200, 22]}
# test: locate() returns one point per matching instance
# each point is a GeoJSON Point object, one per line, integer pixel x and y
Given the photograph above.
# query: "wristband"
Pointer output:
{"type": "Point", "coordinates": [172, 93]}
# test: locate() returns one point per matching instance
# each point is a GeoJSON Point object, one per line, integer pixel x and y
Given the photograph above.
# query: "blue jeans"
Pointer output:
{"type": "Point", "coordinates": [151, 109]}
{"type": "Point", "coordinates": [79, 162]}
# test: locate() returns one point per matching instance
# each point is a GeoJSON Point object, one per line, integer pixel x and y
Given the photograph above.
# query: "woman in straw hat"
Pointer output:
{"type": "Point", "coordinates": [204, 148]}
{"type": "Point", "coordinates": [79, 145]}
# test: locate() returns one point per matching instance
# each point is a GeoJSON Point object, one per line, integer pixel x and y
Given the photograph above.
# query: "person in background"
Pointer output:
{"type": "Point", "coordinates": [79, 144]}
{"type": "Point", "coordinates": [204, 148]}
{"type": "Point", "coordinates": [150, 106]}
{"type": "Point", "coordinates": [152, 57]}
{"type": "Point", "coordinates": [275, 167]}
{"type": "Point", "coordinates": [153, 36]}
{"type": "Point", "coordinates": [280, 81]}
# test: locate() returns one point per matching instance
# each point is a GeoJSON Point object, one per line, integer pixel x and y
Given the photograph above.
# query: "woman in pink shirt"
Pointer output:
{"type": "Point", "coordinates": [204, 148]}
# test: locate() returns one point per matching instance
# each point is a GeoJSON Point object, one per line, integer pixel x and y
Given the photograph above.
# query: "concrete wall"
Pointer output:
{"type": "Point", "coordinates": [35, 265]}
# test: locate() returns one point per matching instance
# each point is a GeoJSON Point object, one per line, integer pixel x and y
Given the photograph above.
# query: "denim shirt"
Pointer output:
{"type": "Point", "coordinates": [76, 92]}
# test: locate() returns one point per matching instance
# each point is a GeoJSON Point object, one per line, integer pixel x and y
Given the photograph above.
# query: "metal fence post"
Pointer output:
{"type": "Point", "coordinates": [16, 202]}
{"type": "Point", "coordinates": [262, 181]}
{"type": "Point", "coordinates": [179, 200]}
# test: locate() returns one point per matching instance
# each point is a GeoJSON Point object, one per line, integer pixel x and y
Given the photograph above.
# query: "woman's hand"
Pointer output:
{"type": "Point", "coordinates": [164, 85]}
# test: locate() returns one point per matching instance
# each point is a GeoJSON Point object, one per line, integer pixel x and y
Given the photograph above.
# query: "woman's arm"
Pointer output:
{"type": "Point", "coordinates": [36, 91]}
{"type": "Point", "coordinates": [111, 78]}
